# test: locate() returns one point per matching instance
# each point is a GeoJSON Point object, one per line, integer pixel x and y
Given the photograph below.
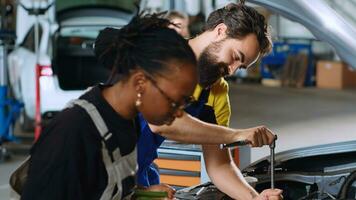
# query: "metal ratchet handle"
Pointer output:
{"type": "Point", "coordinates": [234, 144]}
{"type": "Point", "coordinates": [272, 153]}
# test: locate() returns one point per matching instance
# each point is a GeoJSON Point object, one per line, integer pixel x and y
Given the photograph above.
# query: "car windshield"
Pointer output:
{"type": "Point", "coordinates": [121, 4]}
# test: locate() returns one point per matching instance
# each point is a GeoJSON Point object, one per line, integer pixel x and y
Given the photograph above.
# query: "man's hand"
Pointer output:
{"type": "Point", "coordinates": [256, 136]}
{"type": "Point", "coordinates": [270, 194]}
{"type": "Point", "coordinates": [163, 188]}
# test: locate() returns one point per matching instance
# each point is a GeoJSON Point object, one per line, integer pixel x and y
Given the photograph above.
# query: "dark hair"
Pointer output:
{"type": "Point", "coordinates": [242, 20]}
{"type": "Point", "coordinates": [145, 42]}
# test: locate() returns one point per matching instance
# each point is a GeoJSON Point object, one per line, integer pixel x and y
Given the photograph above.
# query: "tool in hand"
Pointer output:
{"type": "Point", "coordinates": [234, 144]}
{"type": "Point", "coordinates": [272, 147]}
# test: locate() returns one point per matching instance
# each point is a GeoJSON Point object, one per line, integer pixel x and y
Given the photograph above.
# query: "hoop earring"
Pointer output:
{"type": "Point", "coordinates": [138, 101]}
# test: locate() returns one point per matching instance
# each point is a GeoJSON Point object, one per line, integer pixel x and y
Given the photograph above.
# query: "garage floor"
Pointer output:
{"type": "Point", "coordinates": [300, 117]}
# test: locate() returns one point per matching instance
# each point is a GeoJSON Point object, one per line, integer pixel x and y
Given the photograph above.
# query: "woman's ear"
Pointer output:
{"type": "Point", "coordinates": [139, 81]}
{"type": "Point", "coordinates": [220, 31]}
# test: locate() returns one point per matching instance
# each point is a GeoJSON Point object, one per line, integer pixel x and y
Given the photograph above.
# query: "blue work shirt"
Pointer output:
{"type": "Point", "coordinates": [149, 142]}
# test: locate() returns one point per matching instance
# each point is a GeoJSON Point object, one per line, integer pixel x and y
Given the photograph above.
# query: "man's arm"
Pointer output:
{"type": "Point", "coordinates": [188, 129]}
{"type": "Point", "coordinates": [225, 174]}
{"type": "Point", "coordinates": [228, 178]}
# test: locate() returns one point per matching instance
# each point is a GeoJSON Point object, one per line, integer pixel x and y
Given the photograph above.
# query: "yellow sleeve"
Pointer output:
{"type": "Point", "coordinates": [219, 100]}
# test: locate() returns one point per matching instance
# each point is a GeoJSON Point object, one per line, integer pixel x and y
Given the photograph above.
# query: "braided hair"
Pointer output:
{"type": "Point", "coordinates": [145, 42]}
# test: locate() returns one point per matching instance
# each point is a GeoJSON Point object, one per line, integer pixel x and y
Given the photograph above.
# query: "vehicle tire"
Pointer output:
{"type": "Point", "coordinates": [26, 123]}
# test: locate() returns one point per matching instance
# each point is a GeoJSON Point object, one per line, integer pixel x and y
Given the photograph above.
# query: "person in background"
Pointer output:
{"type": "Point", "coordinates": [234, 37]}
{"type": "Point", "coordinates": [180, 22]}
{"type": "Point", "coordinates": [90, 153]}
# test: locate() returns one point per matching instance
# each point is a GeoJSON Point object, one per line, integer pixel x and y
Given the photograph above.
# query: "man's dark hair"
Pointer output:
{"type": "Point", "coordinates": [145, 43]}
{"type": "Point", "coordinates": [241, 20]}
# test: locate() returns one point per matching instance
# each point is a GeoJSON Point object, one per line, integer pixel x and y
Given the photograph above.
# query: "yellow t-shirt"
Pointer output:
{"type": "Point", "coordinates": [218, 100]}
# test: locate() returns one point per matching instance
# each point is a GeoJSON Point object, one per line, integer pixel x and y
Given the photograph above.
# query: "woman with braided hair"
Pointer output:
{"type": "Point", "coordinates": [88, 151]}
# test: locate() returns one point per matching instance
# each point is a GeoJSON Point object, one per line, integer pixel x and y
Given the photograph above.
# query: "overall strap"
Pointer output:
{"type": "Point", "coordinates": [105, 136]}
{"type": "Point", "coordinates": [118, 167]}
{"type": "Point", "coordinates": [204, 96]}
{"type": "Point", "coordinates": [94, 115]}
{"type": "Point", "coordinates": [114, 176]}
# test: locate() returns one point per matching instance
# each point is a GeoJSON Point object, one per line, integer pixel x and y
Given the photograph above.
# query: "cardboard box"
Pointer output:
{"type": "Point", "coordinates": [334, 75]}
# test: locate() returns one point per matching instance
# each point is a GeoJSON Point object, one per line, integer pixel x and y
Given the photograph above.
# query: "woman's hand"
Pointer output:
{"type": "Point", "coordinates": [163, 187]}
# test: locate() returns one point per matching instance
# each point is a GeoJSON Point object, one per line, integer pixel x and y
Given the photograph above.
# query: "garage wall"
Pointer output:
{"type": "Point", "coordinates": [283, 27]}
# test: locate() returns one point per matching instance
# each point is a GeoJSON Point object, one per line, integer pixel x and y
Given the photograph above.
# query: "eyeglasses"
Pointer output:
{"type": "Point", "coordinates": [174, 105]}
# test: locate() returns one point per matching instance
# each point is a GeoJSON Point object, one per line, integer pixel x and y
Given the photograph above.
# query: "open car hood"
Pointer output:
{"type": "Point", "coordinates": [321, 20]}
{"type": "Point", "coordinates": [321, 158]}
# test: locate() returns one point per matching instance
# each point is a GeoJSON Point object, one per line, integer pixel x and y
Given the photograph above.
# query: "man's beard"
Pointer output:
{"type": "Point", "coordinates": [210, 69]}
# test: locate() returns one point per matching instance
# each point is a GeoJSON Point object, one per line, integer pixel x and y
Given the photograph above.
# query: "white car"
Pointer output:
{"type": "Point", "coordinates": [66, 59]}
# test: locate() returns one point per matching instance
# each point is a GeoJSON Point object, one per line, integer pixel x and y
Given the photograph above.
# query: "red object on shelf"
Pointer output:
{"type": "Point", "coordinates": [237, 156]}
